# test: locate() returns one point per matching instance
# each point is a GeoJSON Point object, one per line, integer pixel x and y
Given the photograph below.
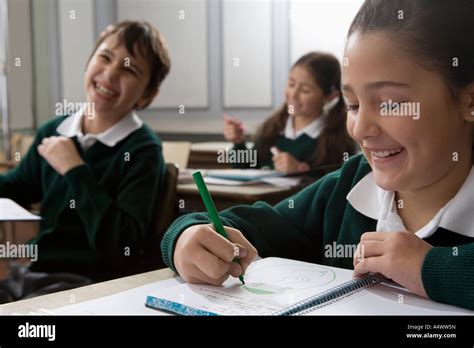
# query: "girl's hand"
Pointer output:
{"type": "Point", "coordinates": [397, 255]}
{"type": "Point", "coordinates": [286, 163]}
{"type": "Point", "coordinates": [60, 152]}
{"type": "Point", "coordinates": [233, 130]}
{"type": "Point", "coordinates": [202, 255]}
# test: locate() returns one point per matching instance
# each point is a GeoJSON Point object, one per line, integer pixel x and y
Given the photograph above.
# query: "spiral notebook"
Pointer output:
{"type": "Point", "coordinates": [276, 286]}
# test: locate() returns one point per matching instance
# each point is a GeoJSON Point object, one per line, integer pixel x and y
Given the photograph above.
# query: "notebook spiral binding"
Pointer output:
{"type": "Point", "coordinates": [331, 295]}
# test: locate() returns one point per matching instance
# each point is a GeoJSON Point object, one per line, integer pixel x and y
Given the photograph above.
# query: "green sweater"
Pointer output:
{"type": "Point", "coordinates": [304, 225]}
{"type": "Point", "coordinates": [98, 214]}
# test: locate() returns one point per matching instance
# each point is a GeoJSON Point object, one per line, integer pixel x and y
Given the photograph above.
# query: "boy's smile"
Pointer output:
{"type": "Point", "coordinates": [105, 91]}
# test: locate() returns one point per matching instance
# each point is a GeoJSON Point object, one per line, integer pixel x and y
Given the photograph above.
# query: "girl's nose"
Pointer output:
{"type": "Point", "coordinates": [111, 72]}
{"type": "Point", "coordinates": [366, 124]}
{"type": "Point", "coordinates": [293, 94]}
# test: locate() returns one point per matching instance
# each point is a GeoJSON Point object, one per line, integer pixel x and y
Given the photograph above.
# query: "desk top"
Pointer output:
{"type": "Point", "coordinates": [243, 190]}
{"type": "Point", "coordinates": [85, 293]}
{"type": "Point", "coordinates": [228, 196]}
{"type": "Point", "coordinates": [213, 146]}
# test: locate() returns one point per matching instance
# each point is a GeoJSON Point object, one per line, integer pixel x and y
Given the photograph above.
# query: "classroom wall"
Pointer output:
{"type": "Point", "coordinates": [203, 81]}
{"type": "Point", "coordinates": [19, 65]}
{"type": "Point", "coordinates": [320, 25]}
{"type": "Point", "coordinates": [76, 40]}
{"type": "Point", "coordinates": [263, 37]}
{"type": "Point", "coordinates": [42, 60]}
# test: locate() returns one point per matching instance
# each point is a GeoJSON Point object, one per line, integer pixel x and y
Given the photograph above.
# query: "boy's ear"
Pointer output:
{"type": "Point", "coordinates": [146, 99]}
{"type": "Point", "coordinates": [467, 102]}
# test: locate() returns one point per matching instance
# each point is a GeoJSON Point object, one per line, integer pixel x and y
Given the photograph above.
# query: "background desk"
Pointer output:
{"type": "Point", "coordinates": [228, 196]}
{"type": "Point", "coordinates": [85, 293]}
{"type": "Point", "coordinates": [204, 155]}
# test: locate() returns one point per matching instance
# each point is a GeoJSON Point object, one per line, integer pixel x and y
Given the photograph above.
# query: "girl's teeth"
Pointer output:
{"type": "Point", "coordinates": [385, 153]}
{"type": "Point", "coordinates": [103, 90]}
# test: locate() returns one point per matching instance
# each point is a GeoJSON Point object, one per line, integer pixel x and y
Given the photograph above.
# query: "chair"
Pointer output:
{"type": "Point", "coordinates": [165, 211]}
{"type": "Point", "coordinates": [167, 208]}
{"type": "Point", "coordinates": [177, 152]}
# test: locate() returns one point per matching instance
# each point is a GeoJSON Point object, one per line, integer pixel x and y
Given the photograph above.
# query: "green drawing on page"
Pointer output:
{"type": "Point", "coordinates": [263, 281]}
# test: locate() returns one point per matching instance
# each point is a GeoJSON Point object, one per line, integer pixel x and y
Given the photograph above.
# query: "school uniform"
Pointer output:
{"type": "Point", "coordinates": [337, 210]}
{"type": "Point", "coordinates": [300, 144]}
{"type": "Point", "coordinates": [99, 214]}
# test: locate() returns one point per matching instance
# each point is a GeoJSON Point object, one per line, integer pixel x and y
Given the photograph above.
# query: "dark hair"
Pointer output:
{"type": "Point", "coordinates": [334, 140]}
{"type": "Point", "coordinates": [150, 44]}
{"type": "Point", "coordinates": [437, 32]}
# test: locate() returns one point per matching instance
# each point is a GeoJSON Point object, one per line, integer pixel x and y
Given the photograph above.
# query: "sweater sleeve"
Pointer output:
{"type": "Point", "coordinates": [23, 183]}
{"type": "Point", "coordinates": [113, 224]}
{"type": "Point", "coordinates": [448, 275]}
{"type": "Point", "coordinates": [291, 229]}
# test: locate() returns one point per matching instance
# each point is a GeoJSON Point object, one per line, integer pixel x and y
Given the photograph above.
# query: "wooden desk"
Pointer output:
{"type": "Point", "coordinates": [228, 196]}
{"type": "Point", "coordinates": [5, 166]}
{"type": "Point", "coordinates": [204, 155]}
{"type": "Point", "coordinates": [17, 226]}
{"type": "Point", "coordinates": [85, 293]}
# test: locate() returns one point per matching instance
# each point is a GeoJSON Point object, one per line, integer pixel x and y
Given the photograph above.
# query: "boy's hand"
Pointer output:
{"type": "Point", "coordinates": [202, 255]}
{"type": "Point", "coordinates": [397, 255]}
{"type": "Point", "coordinates": [286, 163]}
{"type": "Point", "coordinates": [60, 152]}
{"type": "Point", "coordinates": [233, 130]}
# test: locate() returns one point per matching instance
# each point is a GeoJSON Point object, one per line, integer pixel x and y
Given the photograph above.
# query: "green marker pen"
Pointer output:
{"type": "Point", "coordinates": [211, 210]}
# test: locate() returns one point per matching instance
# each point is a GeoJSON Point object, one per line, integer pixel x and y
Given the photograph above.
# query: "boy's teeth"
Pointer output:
{"type": "Point", "coordinates": [385, 153]}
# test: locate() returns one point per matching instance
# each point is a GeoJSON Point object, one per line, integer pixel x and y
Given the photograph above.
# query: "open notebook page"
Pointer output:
{"type": "Point", "coordinates": [271, 284]}
{"type": "Point", "coordinates": [387, 299]}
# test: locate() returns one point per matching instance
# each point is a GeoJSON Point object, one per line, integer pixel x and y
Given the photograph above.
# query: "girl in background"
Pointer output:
{"type": "Point", "coordinates": [308, 131]}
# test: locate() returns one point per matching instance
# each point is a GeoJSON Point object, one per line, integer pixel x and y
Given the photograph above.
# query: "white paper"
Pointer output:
{"type": "Point", "coordinates": [254, 176]}
{"type": "Point", "coordinates": [225, 182]}
{"type": "Point", "coordinates": [271, 284]}
{"type": "Point", "coordinates": [243, 173]}
{"type": "Point", "coordinates": [385, 299]}
{"type": "Point", "coordinates": [283, 181]}
{"type": "Point", "coordinates": [11, 211]}
{"type": "Point", "coordinates": [130, 302]}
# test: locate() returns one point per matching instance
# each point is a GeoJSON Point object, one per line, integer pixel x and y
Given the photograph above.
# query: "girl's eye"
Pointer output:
{"type": "Point", "coordinates": [395, 105]}
{"type": "Point", "coordinates": [131, 71]}
{"type": "Point", "coordinates": [104, 57]}
{"type": "Point", "coordinates": [352, 108]}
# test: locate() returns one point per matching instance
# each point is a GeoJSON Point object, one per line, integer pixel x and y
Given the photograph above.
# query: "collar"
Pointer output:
{"type": "Point", "coordinates": [313, 130]}
{"type": "Point", "coordinates": [71, 127]}
{"type": "Point", "coordinates": [374, 202]}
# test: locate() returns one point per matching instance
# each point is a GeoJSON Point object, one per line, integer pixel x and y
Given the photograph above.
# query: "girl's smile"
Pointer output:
{"type": "Point", "coordinates": [405, 154]}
